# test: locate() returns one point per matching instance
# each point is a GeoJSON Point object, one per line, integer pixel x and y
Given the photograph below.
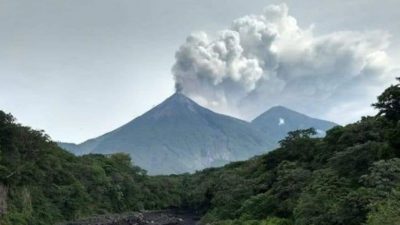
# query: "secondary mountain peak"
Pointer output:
{"type": "Point", "coordinates": [278, 121]}
{"type": "Point", "coordinates": [279, 109]}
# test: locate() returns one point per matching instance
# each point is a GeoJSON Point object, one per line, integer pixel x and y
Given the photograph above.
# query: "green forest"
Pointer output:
{"type": "Point", "coordinates": [351, 177]}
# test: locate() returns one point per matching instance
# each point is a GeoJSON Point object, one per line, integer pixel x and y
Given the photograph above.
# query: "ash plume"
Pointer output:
{"type": "Point", "coordinates": [268, 59]}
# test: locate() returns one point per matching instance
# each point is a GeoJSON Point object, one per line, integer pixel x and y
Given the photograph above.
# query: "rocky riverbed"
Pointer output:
{"type": "Point", "coordinates": [165, 217]}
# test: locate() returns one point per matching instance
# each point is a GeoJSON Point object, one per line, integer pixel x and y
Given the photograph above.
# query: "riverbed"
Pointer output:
{"type": "Point", "coordinates": [162, 217]}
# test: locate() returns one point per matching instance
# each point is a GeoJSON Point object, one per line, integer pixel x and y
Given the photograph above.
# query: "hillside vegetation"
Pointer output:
{"type": "Point", "coordinates": [45, 184]}
{"type": "Point", "coordinates": [351, 176]}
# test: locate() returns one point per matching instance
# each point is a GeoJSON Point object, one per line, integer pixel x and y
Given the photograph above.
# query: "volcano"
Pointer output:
{"type": "Point", "coordinates": [179, 136]}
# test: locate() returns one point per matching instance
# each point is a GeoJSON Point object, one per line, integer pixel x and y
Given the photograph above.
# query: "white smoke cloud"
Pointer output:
{"type": "Point", "coordinates": [265, 60]}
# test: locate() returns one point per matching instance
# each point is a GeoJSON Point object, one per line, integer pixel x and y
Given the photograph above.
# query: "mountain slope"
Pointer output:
{"type": "Point", "coordinates": [180, 136]}
{"type": "Point", "coordinates": [278, 121]}
{"type": "Point", "coordinates": [73, 148]}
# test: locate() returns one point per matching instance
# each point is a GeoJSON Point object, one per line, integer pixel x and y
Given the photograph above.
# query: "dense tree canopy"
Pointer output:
{"type": "Point", "coordinates": [47, 184]}
{"type": "Point", "coordinates": [349, 177]}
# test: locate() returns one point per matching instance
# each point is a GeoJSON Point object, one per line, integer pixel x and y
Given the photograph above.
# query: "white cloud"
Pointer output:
{"type": "Point", "coordinates": [265, 60]}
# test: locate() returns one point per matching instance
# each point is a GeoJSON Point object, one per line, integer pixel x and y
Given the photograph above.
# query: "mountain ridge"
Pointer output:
{"type": "Point", "coordinates": [178, 135]}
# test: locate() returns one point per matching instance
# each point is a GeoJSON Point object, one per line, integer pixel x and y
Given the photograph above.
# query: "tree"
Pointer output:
{"type": "Point", "coordinates": [322, 199]}
{"type": "Point", "coordinates": [389, 102]}
{"type": "Point", "coordinates": [386, 212]}
{"type": "Point", "coordinates": [299, 145]}
{"type": "Point", "coordinates": [297, 134]}
{"type": "Point", "coordinates": [384, 176]}
{"type": "Point", "coordinates": [6, 118]}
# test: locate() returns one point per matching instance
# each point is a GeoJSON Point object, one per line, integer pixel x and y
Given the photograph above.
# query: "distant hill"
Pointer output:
{"type": "Point", "coordinates": [180, 136]}
{"type": "Point", "coordinates": [276, 122]}
{"type": "Point", "coordinates": [74, 148]}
